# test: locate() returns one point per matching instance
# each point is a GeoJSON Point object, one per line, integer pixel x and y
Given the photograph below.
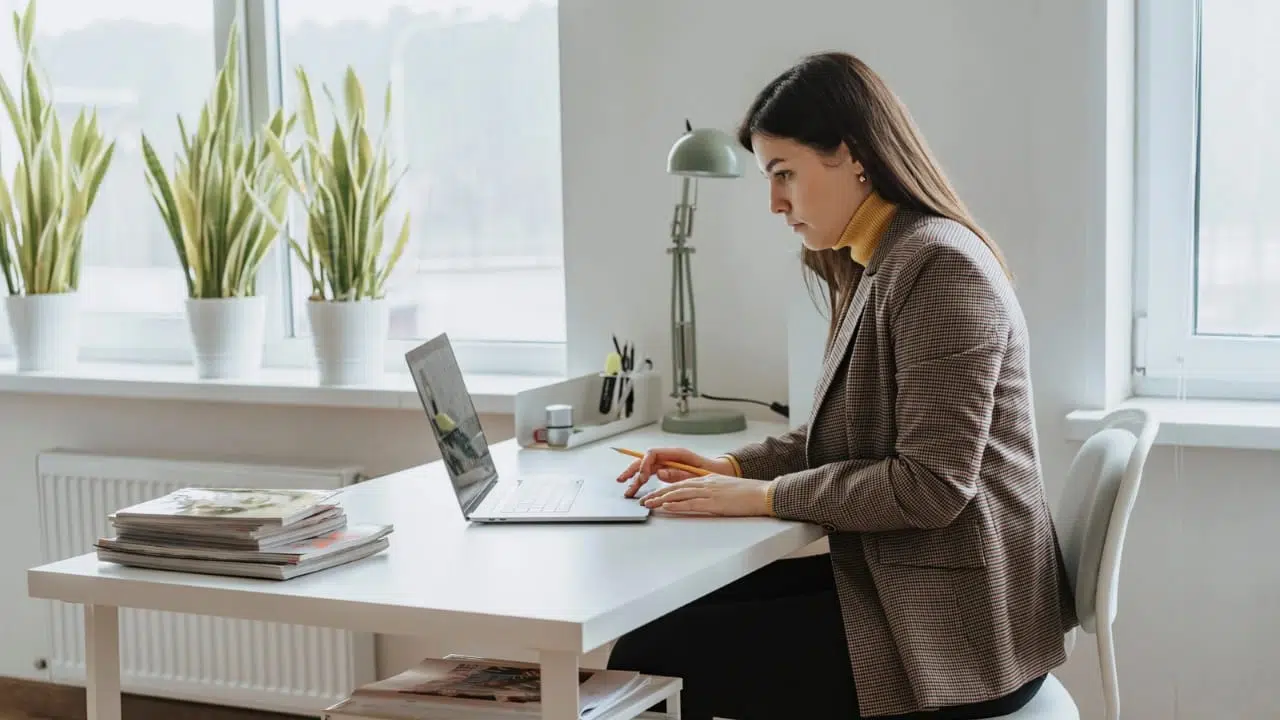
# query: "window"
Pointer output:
{"type": "Point", "coordinates": [1208, 291]}
{"type": "Point", "coordinates": [475, 124]}
{"type": "Point", "coordinates": [139, 63]}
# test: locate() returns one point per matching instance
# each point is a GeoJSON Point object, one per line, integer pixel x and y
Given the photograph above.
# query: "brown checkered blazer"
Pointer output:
{"type": "Point", "coordinates": [920, 460]}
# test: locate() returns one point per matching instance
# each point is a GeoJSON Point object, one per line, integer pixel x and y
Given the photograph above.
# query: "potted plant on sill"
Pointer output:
{"type": "Point", "coordinates": [223, 206]}
{"type": "Point", "coordinates": [43, 212]}
{"type": "Point", "coordinates": [347, 186]}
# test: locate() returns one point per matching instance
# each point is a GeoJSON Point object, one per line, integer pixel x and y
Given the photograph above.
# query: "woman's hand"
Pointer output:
{"type": "Point", "coordinates": [653, 464]}
{"type": "Point", "coordinates": [713, 495]}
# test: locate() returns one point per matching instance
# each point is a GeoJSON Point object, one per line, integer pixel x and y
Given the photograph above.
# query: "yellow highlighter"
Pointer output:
{"type": "Point", "coordinates": [609, 385]}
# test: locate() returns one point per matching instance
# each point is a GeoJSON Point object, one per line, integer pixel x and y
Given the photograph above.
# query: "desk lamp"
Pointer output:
{"type": "Point", "coordinates": [701, 153]}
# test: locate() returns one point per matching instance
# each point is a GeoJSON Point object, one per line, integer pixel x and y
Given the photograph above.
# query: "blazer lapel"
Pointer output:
{"type": "Point", "coordinates": [899, 226]}
{"type": "Point", "coordinates": [840, 346]}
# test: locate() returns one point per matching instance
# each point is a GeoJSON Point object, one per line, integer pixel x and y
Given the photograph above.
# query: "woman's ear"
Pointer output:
{"type": "Point", "coordinates": [838, 157]}
{"type": "Point", "coordinates": [859, 171]}
{"type": "Point", "coordinates": [845, 153]}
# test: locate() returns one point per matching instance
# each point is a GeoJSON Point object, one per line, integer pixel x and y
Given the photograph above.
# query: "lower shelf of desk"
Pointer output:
{"type": "Point", "coordinates": [633, 707]}
{"type": "Point", "coordinates": [659, 689]}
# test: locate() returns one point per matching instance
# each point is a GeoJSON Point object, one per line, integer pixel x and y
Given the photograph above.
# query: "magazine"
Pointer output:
{"type": "Point", "coordinates": [463, 687]}
{"type": "Point", "coordinates": [267, 571]}
{"type": "Point", "coordinates": [229, 506]}
{"type": "Point", "coordinates": [232, 538]}
{"type": "Point", "coordinates": [301, 552]}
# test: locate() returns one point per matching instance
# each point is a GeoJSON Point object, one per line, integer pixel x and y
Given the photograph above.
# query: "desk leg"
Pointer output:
{"type": "Point", "coordinates": [102, 661]}
{"type": "Point", "coordinates": [673, 706]}
{"type": "Point", "coordinates": [559, 685]}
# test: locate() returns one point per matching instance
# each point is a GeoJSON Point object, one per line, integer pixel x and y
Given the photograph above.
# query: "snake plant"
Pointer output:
{"type": "Point", "coordinates": [347, 185]}
{"type": "Point", "coordinates": [225, 201]}
{"type": "Point", "coordinates": [43, 210]}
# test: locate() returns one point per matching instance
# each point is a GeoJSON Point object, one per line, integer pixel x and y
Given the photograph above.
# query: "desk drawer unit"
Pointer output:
{"type": "Point", "coordinates": [268, 666]}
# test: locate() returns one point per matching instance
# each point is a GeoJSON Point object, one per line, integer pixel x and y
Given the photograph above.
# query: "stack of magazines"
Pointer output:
{"type": "Point", "coordinates": [271, 534]}
{"type": "Point", "coordinates": [459, 687]}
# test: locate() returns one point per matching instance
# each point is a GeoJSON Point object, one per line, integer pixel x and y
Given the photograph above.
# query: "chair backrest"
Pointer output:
{"type": "Point", "coordinates": [1102, 486]}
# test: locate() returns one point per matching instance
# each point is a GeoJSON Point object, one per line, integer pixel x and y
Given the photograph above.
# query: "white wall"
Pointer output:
{"type": "Point", "coordinates": [1012, 95]}
{"type": "Point", "coordinates": [1003, 89]}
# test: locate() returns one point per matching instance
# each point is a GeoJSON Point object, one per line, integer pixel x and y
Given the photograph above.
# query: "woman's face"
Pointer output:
{"type": "Point", "coordinates": [816, 193]}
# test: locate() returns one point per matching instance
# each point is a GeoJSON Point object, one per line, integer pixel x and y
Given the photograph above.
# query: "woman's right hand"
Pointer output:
{"type": "Point", "coordinates": [639, 471]}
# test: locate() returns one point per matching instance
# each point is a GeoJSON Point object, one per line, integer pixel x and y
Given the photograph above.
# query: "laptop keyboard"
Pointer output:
{"type": "Point", "coordinates": [549, 495]}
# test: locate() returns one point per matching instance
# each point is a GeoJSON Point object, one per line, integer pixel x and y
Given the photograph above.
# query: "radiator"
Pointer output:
{"type": "Point", "coordinates": [267, 666]}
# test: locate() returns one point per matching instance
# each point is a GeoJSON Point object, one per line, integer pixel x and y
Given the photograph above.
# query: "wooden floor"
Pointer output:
{"type": "Point", "coordinates": [29, 700]}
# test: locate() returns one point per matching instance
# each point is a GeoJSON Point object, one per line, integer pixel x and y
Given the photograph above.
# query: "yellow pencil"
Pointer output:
{"type": "Point", "coordinates": [668, 463]}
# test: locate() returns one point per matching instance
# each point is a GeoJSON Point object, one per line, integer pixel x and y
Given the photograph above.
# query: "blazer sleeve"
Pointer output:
{"type": "Point", "coordinates": [950, 328]}
{"type": "Point", "coordinates": [769, 458]}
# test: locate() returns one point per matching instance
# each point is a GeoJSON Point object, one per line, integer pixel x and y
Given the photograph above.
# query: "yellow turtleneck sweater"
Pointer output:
{"type": "Point", "coordinates": [866, 227]}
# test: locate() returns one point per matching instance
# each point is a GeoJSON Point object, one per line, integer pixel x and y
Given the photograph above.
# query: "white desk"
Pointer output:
{"type": "Point", "coordinates": [562, 590]}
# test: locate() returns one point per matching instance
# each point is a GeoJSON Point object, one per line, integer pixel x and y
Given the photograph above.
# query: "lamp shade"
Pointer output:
{"type": "Point", "coordinates": [705, 152]}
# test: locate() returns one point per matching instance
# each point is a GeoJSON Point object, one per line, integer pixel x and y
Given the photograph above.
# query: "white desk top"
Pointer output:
{"type": "Point", "coordinates": [548, 587]}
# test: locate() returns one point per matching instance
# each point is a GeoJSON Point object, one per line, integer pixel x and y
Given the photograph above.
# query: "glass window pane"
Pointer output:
{"type": "Point", "coordinates": [477, 125]}
{"type": "Point", "coordinates": [140, 63]}
{"type": "Point", "coordinates": [1238, 237]}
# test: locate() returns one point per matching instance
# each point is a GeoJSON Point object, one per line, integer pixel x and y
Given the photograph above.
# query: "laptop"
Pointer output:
{"type": "Point", "coordinates": [455, 423]}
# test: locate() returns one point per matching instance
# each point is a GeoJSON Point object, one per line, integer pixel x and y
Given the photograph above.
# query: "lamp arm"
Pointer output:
{"type": "Point", "coordinates": [677, 362]}
{"type": "Point", "coordinates": [692, 339]}
{"type": "Point", "coordinates": [683, 343]}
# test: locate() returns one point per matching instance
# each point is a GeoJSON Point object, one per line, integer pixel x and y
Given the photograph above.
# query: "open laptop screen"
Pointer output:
{"type": "Point", "coordinates": [453, 419]}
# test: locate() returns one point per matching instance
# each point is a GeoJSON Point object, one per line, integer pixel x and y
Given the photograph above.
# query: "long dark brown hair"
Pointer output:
{"type": "Point", "coordinates": [832, 99]}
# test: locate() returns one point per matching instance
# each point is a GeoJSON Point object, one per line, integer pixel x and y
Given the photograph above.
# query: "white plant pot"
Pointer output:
{"type": "Point", "coordinates": [45, 330]}
{"type": "Point", "coordinates": [350, 340]}
{"type": "Point", "coordinates": [227, 336]}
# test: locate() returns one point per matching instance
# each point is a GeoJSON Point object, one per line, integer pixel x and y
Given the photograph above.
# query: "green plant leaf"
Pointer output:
{"type": "Point", "coordinates": [397, 249]}
{"type": "Point", "coordinates": [353, 93]}
{"type": "Point", "coordinates": [262, 238]}
{"type": "Point", "coordinates": [15, 113]}
{"type": "Point", "coordinates": [97, 168]}
{"type": "Point", "coordinates": [283, 163]}
{"type": "Point", "coordinates": [28, 29]}
{"type": "Point", "coordinates": [75, 210]}
{"type": "Point", "coordinates": [35, 110]}
{"type": "Point", "coordinates": [8, 235]}
{"type": "Point", "coordinates": [307, 106]}
{"type": "Point", "coordinates": [22, 219]}
{"type": "Point", "coordinates": [162, 191]}
{"type": "Point", "coordinates": [45, 261]}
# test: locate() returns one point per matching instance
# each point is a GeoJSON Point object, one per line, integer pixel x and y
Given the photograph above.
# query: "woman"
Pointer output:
{"type": "Point", "coordinates": [944, 595]}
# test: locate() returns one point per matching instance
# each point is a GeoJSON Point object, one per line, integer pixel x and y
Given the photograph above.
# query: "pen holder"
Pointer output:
{"type": "Point", "coordinates": [634, 399]}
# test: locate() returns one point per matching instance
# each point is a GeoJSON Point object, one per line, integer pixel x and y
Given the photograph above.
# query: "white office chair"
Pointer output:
{"type": "Point", "coordinates": [1102, 486]}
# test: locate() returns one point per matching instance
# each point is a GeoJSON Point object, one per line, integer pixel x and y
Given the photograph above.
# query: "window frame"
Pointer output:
{"type": "Point", "coordinates": [163, 338]}
{"type": "Point", "coordinates": [1170, 359]}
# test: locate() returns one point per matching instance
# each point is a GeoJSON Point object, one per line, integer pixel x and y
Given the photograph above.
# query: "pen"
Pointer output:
{"type": "Point", "coordinates": [624, 383]}
{"type": "Point", "coordinates": [667, 463]}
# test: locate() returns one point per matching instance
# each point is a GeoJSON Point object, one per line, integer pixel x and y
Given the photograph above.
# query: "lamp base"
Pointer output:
{"type": "Point", "coordinates": [704, 421]}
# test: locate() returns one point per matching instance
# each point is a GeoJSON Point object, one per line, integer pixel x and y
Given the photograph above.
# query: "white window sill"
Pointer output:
{"type": "Point", "coordinates": [1234, 424]}
{"type": "Point", "coordinates": [273, 386]}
